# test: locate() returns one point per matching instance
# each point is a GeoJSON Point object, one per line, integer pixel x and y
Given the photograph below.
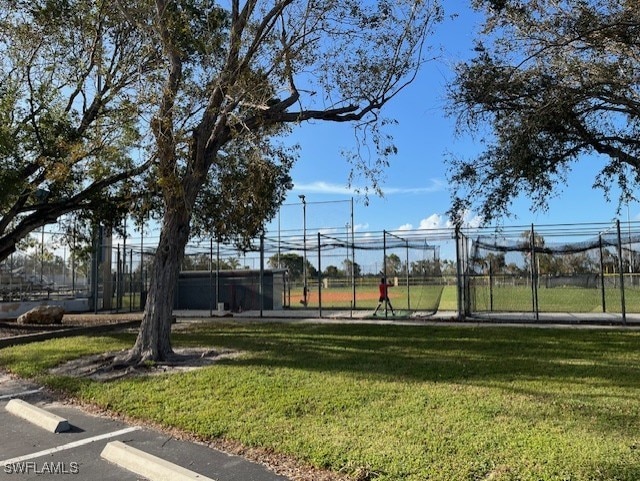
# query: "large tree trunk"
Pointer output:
{"type": "Point", "coordinates": [154, 342]}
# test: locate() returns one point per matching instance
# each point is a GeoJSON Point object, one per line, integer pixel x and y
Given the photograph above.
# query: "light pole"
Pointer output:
{"type": "Point", "coordinates": [304, 242]}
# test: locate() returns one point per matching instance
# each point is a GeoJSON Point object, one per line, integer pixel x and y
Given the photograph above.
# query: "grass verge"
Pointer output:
{"type": "Point", "coordinates": [394, 402]}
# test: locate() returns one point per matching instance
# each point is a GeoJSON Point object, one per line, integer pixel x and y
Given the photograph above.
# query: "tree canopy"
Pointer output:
{"type": "Point", "coordinates": [79, 83]}
{"type": "Point", "coordinates": [236, 79]}
{"type": "Point", "coordinates": [294, 264]}
{"type": "Point", "coordinates": [70, 99]}
{"type": "Point", "coordinates": [179, 108]}
{"type": "Point", "coordinates": [552, 83]}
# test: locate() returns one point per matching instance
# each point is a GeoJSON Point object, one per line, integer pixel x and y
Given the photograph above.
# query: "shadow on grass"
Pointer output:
{"type": "Point", "coordinates": [585, 373]}
{"type": "Point", "coordinates": [423, 354]}
{"type": "Point", "coordinates": [515, 398]}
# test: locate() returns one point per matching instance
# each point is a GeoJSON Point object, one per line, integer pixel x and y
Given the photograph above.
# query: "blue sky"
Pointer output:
{"type": "Point", "coordinates": [415, 186]}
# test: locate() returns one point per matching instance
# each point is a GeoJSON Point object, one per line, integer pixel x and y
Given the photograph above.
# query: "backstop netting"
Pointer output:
{"type": "Point", "coordinates": [291, 244]}
{"type": "Point", "coordinates": [344, 270]}
{"type": "Point", "coordinates": [555, 269]}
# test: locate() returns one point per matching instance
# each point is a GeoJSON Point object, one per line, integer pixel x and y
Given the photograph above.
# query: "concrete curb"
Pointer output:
{"type": "Point", "coordinates": [147, 465]}
{"type": "Point", "coordinates": [38, 416]}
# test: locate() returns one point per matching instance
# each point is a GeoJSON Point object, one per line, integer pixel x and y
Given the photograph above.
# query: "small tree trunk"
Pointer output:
{"type": "Point", "coordinates": [154, 341]}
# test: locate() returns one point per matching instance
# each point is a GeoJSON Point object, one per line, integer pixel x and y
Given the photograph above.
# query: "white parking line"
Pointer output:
{"type": "Point", "coordinates": [64, 447]}
{"type": "Point", "coordinates": [18, 394]}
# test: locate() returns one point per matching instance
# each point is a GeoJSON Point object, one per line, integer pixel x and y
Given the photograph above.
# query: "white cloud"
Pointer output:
{"type": "Point", "coordinates": [436, 185]}
{"type": "Point", "coordinates": [321, 187]}
{"type": "Point", "coordinates": [434, 221]}
{"type": "Point", "coordinates": [438, 221]}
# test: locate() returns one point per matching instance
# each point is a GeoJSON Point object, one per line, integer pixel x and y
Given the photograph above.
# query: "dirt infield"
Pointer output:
{"type": "Point", "coordinates": [342, 296]}
{"type": "Point", "coordinates": [345, 297]}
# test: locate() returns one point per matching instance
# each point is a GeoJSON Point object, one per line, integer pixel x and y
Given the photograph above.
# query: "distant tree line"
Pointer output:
{"type": "Point", "coordinates": [395, 267]}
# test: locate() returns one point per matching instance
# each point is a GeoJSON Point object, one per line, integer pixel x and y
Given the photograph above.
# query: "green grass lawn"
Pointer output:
{"type": "Point", "coordinates": [449, 299]}
{"type": "Point", "coordinates": [397, 402]}
{"type": "Point", "coordinates": [557, 299]}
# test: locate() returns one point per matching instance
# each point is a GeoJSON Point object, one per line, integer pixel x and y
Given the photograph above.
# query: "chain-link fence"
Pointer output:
{"type": "Point", "coordinates": [47, 267]}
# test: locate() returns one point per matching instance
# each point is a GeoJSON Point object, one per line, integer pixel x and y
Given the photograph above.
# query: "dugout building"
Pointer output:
{"type": "Point", "coordinates": [230, 290]}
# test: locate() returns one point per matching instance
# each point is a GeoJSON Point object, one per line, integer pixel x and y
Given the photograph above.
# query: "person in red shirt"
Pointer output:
{"type": "Point", "coordinates": [383, 287]}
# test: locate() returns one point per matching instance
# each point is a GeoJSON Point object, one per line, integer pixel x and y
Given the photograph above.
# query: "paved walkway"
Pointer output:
{"type": "Point", "coordinates": [422, 318]}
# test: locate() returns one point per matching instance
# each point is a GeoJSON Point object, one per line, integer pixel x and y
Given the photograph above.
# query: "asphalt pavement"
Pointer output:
{"type": "Point", "coordinates": [30, 452]}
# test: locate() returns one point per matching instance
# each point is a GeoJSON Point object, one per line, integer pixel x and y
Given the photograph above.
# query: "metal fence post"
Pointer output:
{"type": "Point", "coordinates": [408, 280]}
{"type": "Point", "coordinates": [218, 297]}
{"type": "Point", "coordinates": [353, 258]}
{"type": "Point", "coordinates": [534, 275]}
{"type": "Point", "coordinates": [131, 295]}
{"type": "Point", "coordinates": [459, 281]}
{"type": "Point", "coordinates": [620, 269]}
{"type": "Point", "coordinates": [384, 266]}
{"type": "Point", "coordinates": [261, 275]}
{"type": "Point", "coordinates": [73, 262]}
{"type": "Point", "coordinates": [142, 286]}
{"type": "Point", "coordinates": [604, 300]}
{"type": "Point", "coordinates": [211, 277]}
{"type": "Point", "coordinates": [465, 275]}
{"type": "Point", "coordinates": [118, 278]}
{"type": "Point", "coordinates": [95, 259]}
{"type": "Point", "coordinates": [490, 285]}
{"type": "Point", "coordinates": [319, 277]}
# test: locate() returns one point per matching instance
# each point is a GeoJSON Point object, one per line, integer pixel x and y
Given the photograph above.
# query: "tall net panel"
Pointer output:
{"type": "Point", "coordinates": [342, 270]}
{"type": "Point", "coordinates": [413, 263]}
{"type": "Point", "coordinates": [553, 269]}
{"type": "Point", "coordinates": [292, 245]}
{"type": "Point", "coordinates": [407, 262]}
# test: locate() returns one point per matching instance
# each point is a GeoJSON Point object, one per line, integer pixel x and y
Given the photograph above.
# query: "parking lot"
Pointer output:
{"type": "Point", "coordinates": [29, 452]}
